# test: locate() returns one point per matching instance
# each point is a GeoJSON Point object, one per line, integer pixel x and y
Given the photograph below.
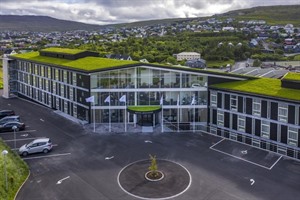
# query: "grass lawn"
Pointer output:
{"type": "Point", "coordinates": [17, 171]}
{"type": "Point", "coordinates": [219, 64]}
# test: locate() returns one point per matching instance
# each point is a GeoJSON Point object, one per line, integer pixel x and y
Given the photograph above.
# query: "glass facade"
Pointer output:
{"type": "Point", "coordinates": [146, 86]}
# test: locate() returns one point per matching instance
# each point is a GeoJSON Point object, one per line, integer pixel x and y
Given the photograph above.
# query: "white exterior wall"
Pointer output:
{"type": "Point", "coordinates": [188, 56]}
{"type": "Point", "coordinates": [5, 78]}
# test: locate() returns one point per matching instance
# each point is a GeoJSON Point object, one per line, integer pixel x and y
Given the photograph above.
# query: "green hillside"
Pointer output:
{"type": "Point", "coordinates": [271, 14]}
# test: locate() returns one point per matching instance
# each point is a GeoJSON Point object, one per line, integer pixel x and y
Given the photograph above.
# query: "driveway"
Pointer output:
{"type": "Point", "coordinates": [85, 165]}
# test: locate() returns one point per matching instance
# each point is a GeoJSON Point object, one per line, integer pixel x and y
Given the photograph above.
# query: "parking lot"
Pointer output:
{"type": "Point", "coordinates": [85, 165]}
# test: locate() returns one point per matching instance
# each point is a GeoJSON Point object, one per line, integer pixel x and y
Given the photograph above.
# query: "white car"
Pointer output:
{"type": "Point", "coordinates": [196, 85]}
{"type": "Point", "coordinates": [36, 146]}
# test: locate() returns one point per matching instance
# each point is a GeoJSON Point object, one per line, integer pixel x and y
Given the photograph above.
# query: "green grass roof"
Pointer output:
{"type": "Point", "coordinates": [63, 50]}
{"type": "Point", "coordinates": [262, 86]}
{"type": "Point", "coordinates": [85, 64]}
{"type": "Point", "coordinates": [292, 76]}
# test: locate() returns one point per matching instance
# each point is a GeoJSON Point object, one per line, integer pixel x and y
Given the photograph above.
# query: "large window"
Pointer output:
{"type": "Point", "coordinates": [233, 102]}
{"type": "Point", "coordinates": [265, 129]}
{"type": "Point", "coordinates": [213, 99]}
{"type": "Point", "coordinates": [241, 123]}
{"type": "Point", "coordinates": [220, 118]}
{"type": "Point", "coordinates": [256, 107]}
{"type": "Point", "coordinates": [282, 112]}
{"type": "Point", "coordinates": [293, 136]}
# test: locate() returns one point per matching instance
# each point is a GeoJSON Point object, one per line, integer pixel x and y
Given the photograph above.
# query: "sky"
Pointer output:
{"type": "Point", "coordinates": [123, 11]}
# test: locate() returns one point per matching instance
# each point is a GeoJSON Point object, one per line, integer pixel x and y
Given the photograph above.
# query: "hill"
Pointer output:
{"type": "Point", "coordinates": [271, 14]}
{"type": "Point", "coordinates": [41, 23]}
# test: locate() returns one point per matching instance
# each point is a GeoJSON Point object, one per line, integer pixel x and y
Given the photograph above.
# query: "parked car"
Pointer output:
{"type": "Point", "coordinates": [36, 146]}
{"type": "Point", "coordinates": [8, 126]}
{"type": "Point", "coordinates": [9, 118]}
{"type": "Point", "coordinates": [4, 113]}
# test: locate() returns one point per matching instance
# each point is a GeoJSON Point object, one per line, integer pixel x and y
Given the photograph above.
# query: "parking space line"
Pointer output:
{"type": "Point", "coordinates": [21, 139]}
{"type": "Point", "coordinates": [49, 156]}
{"type": "Point", "coordinates": [241, 158]}
{"type": "Point", "coordinates": [217, 143]}
{"type": "Point", "coordinates": [275, 162]}
{"type": "Point", "coordinates": [11, 132]}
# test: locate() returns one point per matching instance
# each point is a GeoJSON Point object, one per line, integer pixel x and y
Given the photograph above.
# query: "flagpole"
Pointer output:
{"type": "Point", "coordinates": [162, 118]}
{"type": "Point", "coordinates": [94, 116]}
{"type": "Point", "coordinates": [125, 118]}
{"type": "Point", "coordinates": [178, 113]}
{"type": "Point", "coordinates": [109, 118]}
{"type": "Point", "coordinates": [194, 118]}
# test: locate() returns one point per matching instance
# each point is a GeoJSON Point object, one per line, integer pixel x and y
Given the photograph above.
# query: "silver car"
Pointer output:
{"type": "Point", "coordinates": [36, 146]}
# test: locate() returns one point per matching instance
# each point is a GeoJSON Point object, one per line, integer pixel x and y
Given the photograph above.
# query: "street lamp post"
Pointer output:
{"type": "Point", "coordinates": [4, 152]}
{"type": "Point", "coordinates": [15, 141]}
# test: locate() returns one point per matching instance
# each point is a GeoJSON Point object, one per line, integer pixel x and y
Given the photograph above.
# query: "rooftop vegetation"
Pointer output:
{"type": "Point", "coordinates": [143, 108]}
{"type": "Point", "coordinates": [63, 50]}
{"type": "Point", "coordinates": [261, 86]}
{"type": "Point", "coordinates": [86, 64]}
{"type": "Point", "coordinates": [292, 76]}
{"type": "Point", "coordinates": [17, 172]}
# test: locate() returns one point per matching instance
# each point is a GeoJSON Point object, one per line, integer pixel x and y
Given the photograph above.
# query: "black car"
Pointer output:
{"type": "Point", "coordinates": [9, 126]}
{"type": "Point", "coordinates": [4, 113]}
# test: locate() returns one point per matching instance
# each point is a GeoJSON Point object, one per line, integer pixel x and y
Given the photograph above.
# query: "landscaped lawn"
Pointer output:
{"type": "Point", "coordinates": [17, 171]}
{"type": "Point", "coordinates": [218, 64]}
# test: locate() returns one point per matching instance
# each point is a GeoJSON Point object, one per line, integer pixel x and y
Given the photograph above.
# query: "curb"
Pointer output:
{"type": "Point", "coordinates": [22, 185]}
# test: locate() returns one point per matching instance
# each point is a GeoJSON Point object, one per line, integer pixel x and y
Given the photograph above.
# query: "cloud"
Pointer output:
{"type": "Point", "coordinates": [119, 11]}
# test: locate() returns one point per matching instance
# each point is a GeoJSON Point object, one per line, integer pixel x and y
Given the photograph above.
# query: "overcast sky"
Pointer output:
{"type": "Point", "coordinates": [119, 11]}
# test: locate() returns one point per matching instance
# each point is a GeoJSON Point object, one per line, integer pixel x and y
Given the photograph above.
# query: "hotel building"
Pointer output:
{"type": "Point", "coordinates": [175, 98]}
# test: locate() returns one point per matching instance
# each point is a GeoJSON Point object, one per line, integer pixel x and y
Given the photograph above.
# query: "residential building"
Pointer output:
{"type": "Point", "coordinates": [188, 56]}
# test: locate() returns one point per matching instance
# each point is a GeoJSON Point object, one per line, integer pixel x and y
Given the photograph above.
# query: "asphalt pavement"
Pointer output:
{"type": "Point", "coordinates": [85, 166]}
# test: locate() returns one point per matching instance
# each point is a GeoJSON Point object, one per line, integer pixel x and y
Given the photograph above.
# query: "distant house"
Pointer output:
{"type": "Point", "coordinates": [253, 43]}
{"type": "Point", "coordinates": [196, 63]}
{"type": "Point", "coordinates": [144, 60]}
{"type": "Point", "coordinates": [9, 52]}
{"type": "Point", "coordinates": [118, 57]}
{"type": "Point", "coordinates": [188, 56]}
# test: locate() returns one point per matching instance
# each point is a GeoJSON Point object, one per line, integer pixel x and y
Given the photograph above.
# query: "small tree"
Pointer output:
{"type": "Point", "coordinates": [153, 166]}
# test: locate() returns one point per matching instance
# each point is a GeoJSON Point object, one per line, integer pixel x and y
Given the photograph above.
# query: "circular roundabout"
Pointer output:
{"type": "Point", "coordinates": [175, 181]}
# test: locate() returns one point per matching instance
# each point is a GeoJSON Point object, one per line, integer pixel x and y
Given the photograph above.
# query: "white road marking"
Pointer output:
{"type": "Point", "coordinates": [276, 162]}
{"type": "Point", "coordinates": [20, 139]}
{"type": "Point", "coordinates": [9, 104]}
{"type": "Point", "coordinates": [49, 156]}
{"type": "Point", "coordinates": [241, 158]}
{"type": "Point", "coordinates": [10, 132]}
{"type": "Point", "coordinates": [148, 141]}
{"type": "Point", "coordinates": [24, 135]}
{"type": "Point", "coordinates": [54, 145]}
{"type": "Point", "coordinates": [108, 158]}
{"type": "Point", "coordinates": [252, 181]}
{"type": "Point", "coordinates": [217, 143]}
{"type": "Point", "coordinates": [244, 152]}
{"type": "Point", "coordinates": [61, 180]}
{"type": "Point", "coordinates": [42, 120]}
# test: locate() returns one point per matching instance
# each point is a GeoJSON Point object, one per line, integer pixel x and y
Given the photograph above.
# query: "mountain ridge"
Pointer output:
{"type": "Point", "coordinates": [271, 14]}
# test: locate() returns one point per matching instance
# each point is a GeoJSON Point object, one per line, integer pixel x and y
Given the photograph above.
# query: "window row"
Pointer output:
{"type": "Point", "coordinates": [261, 128]}
{"type": "Point", "coordinates": [278, 111]}
{"type": "Point", "coordinates": [145, 78]}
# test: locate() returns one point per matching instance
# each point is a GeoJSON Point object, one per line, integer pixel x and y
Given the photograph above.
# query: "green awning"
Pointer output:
{"type": "Point", "coordinates": [143, 109]}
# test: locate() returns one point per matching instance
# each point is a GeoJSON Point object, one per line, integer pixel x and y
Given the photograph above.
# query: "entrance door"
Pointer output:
{"type": "Point", "coordinates": [145, 119]}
